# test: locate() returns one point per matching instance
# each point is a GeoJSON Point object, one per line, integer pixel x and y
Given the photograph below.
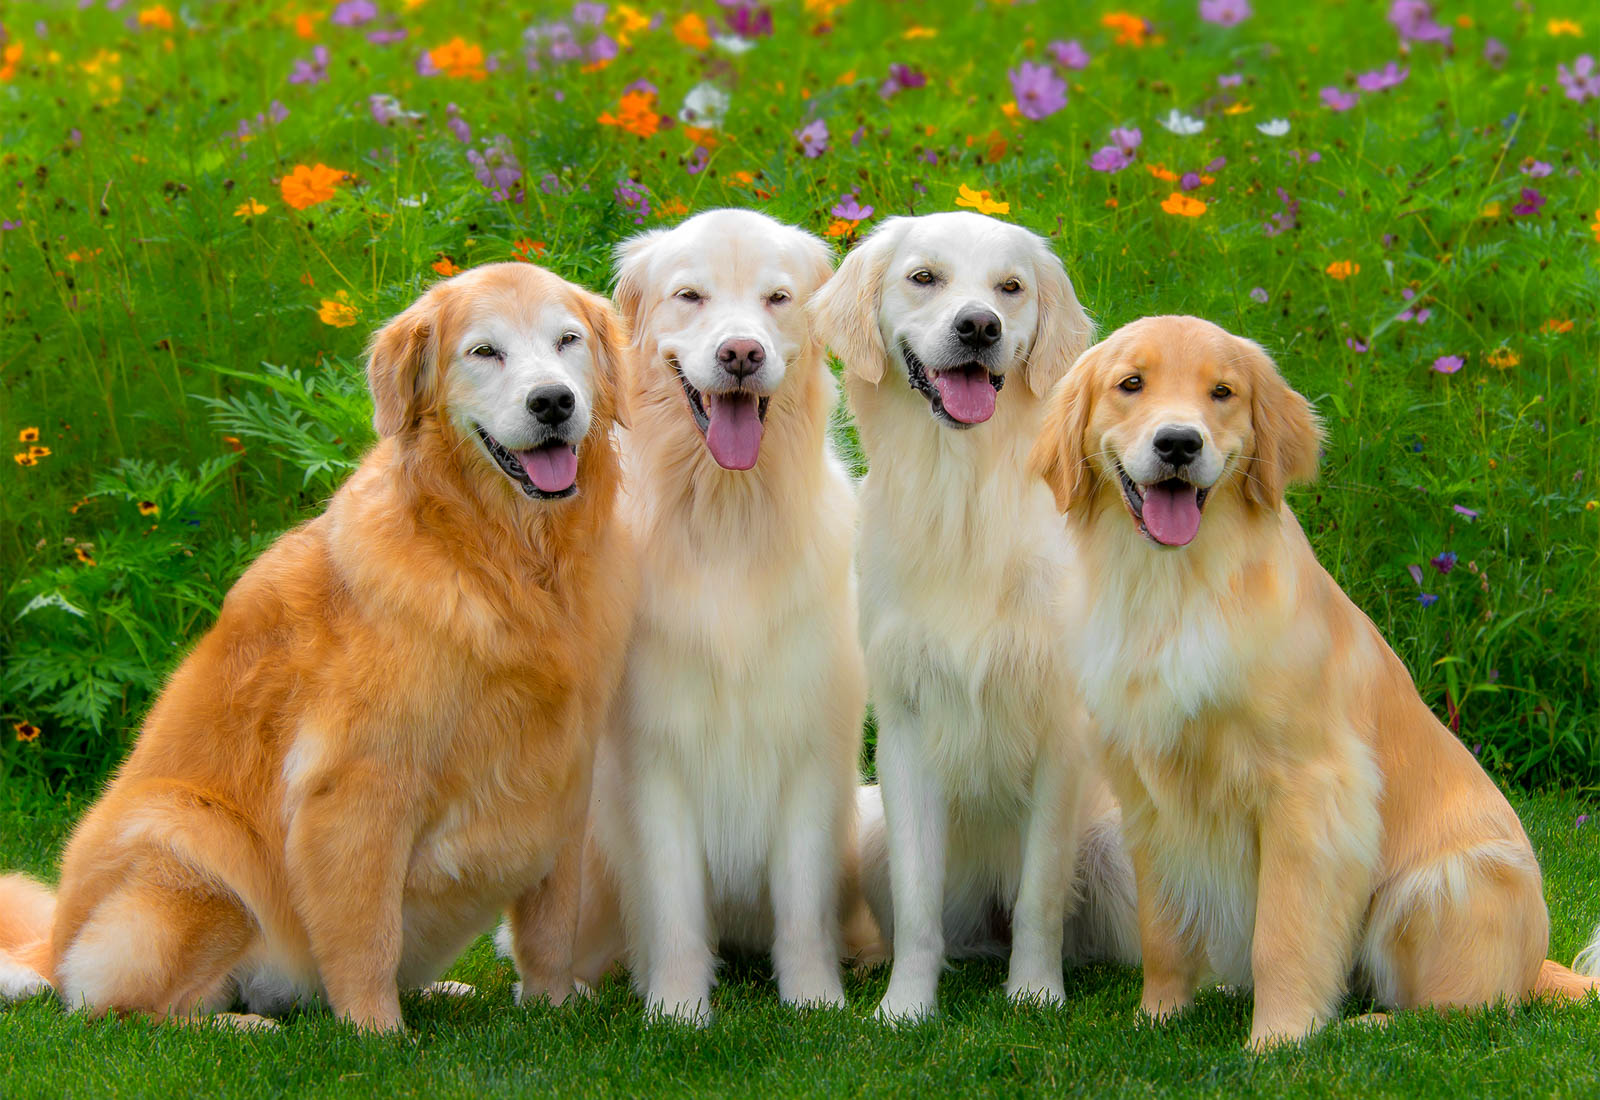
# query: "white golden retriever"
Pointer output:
{"type": "Point", "coordinates": [724, 808]}
{"type": "Point", "coordinates": [952, 328]}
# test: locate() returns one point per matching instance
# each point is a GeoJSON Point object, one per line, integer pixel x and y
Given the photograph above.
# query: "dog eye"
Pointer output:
{"type": "Point", "coordinates": [1222, 391]}
{"type": "Point", "coordinates": [777, 297]}
{"type": "Point", "coordinates": [485, 351]}
{"type": "Point", "coordinates": [568, 338]}
{"type": "Point", "coordinates": [1011, 286]}
{"type": "Point", "coordinates": [922, 277]}
{"type": "Point", "coordinates": [689, 295]}
{"type": "Point", "coordinates": [1131, 384]}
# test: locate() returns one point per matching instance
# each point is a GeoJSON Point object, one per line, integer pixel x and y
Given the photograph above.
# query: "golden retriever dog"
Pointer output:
{"type": "Point", "coordinates": [1296, 813]}
{"type": "Point", "coordinates": [723, 815]}
{"type": "Point", "coordinates": [952, 328]}
{"type": "Point", "coordinates": [386, 737]}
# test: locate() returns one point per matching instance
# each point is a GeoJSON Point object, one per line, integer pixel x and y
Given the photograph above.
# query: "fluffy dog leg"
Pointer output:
{"type": "Point", "coordinates": [1571, 984]}
{"type": "Point", "coordinates": [1106, 925]}
{"type": "Point", "coordinates": [674, 959]}
{"type": "Point", "coordinates": [805, 897]}
{"type": "Point", "coordinates": [1049, 855]}
{"type": "Point", "coordinates": [26, 911]}
{"type": "Point", "coordinates": [916, 817]}
{"type": "Point", "coordinates": [544, 928]}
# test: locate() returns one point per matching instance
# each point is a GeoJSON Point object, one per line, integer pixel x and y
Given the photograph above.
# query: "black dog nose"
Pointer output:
{"type": "Point", "coordinates": [741, 358]}
{"type": "Point", "coordinates": [977, 328]}
{"type": "Point", "coordinates": [551, 404]}
{"type": "Point", "coordinates": [1178, 446]}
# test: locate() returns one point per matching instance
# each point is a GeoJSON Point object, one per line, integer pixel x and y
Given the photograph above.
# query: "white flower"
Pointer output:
{"type": "Point", "coordinates": [1181, 124]}
{"type": "Point", "coordinates": [1274, 127]}
{"type": "Point", "coordinates": [414, 201]}
{"type": "Point", "coordinates": [705, 106]}
{"type": "Point", "coordinates": [734, 44]}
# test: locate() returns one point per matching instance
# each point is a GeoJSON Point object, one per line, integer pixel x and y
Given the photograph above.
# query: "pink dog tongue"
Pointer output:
{"type": "Point", "coordinates": [1171, 513]}
{"type": "Point", "coordinates": [552, 468]}
{"type": "Point", "coordinates": [966, 393]}
{"type": "Point", "coordinates": [734, 434]}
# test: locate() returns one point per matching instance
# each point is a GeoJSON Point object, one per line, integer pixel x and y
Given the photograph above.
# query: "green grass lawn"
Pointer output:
{"type": "Point", "coordinates": [483, 1046]}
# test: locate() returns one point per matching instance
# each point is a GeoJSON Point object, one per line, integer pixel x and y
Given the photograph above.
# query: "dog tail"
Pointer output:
{"type": "Point", "coordinates": [1571, 984]}
{"type": "Point", "coordinates": [1106, 926]}
{"type": "Point", "coordinates": [27, 909]}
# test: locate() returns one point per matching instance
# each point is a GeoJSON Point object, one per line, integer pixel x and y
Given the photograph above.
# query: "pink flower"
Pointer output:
{"type": "Point", "coordinates": [1447, 364]}
{"type": "Point", "coordinates": [1581, 82]}
{"type": "Point", "coordinates": [1109, 158]}
{"type": "Point", "coordinates": [1390, 76]}
{"type": "Point", "coordinates": [1127, 139]}
{"type": "Point", "coordinates": [1040, 93]}
{"type": "Point", "coordinates": [813, 138]}
{"type": "Point", "coordinates": [1225, 13]}
{"type": "Point", "coordinates": [1070, 54]}
{"type": "Point", "coordinates": [1414, 20]}
{"type": "Point", "coordinates": [1335, 100]}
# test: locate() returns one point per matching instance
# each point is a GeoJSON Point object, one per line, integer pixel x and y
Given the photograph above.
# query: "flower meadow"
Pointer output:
{"type": "Point", "coordinates": [206, 208]}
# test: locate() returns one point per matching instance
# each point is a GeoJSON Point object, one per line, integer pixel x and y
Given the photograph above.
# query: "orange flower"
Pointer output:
{"type": "Point", "coordinates": [691, 31]}
{"type": "Point", "coordinates": [636, 113]}
{"type": "Point", "coordinates": [28, 435]}
{"type": "Point", "coordinates": [672, 208]}
{"type": "Point", "coordinates": [980, 201]}
{"type": "Point", "coordinates": [249, 208]}
{"type": "Point", "coordinates": [307, 185]}
{"type": "Point", "coordinates": [921, 32]}
{"type": "Point", "coordinates": [706, 139]}
{"type": "Point", "coordinates": [840, 227]}
{"type": "Point", "coordinates": [1596, 226]}
{"type": "Point", "coordinates": [149, 508]}
{"type": "Point", "coordinates": [1112, 202]}
{"type": "Point", "coordinates": [1131, 30]}
{"type": "Point", "coordinates": [1502, 358]}
{"type": "Point", "coordinates": [9, 58]}
{"type": "Point", "coordinates": [157, 17]}
{"type": "Point", "coordinates": [84, 556]}
{"type": "Point", "coordinates": [1554, 326]}
{"type": "Point", "coordinates": [1343, 269]}
{"type": "Point", "coordinates": [83, 256]}
{"type": "Point", "coordinates": [459, 58]}
{"type": "Point", "coordinates": [1563, 26]}
{"type": "Point", "coordinates": [1162, 172]}
{"type": "Point", "coordinates": [846, 77]}
{"type": "Point", "coordinates": [525, 245]}
{"type": "Point", "coordinates": [337, 311]}
{"type": "Point", "coordinates": [305, 24]}
{"type": "Point", "coordinates": [1183, 206]}
{"type": "Point", "coordinates": [445, 266]}
{"type": "Point", "coordinates": [1492, 210]}
{"type": "Point", "coordinates": [26, 731]}
{"type": "Point", "coordinates": [233, 444]}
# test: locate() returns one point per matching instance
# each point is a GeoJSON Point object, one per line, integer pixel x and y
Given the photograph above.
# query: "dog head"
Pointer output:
{"type": "Point", "coordinates": [515, 361]}
{"type": "Point", "coordinates": [1168, 414]}
{"type": "Point", "coordinates": [717, 305]}
{"type": "Point", "coordinates": [955, 304]}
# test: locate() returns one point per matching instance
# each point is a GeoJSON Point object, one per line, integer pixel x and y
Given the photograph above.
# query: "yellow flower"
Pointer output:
{"type": "Point", "coordinates": [443, 265]}
{"type": "Point", "coordinates": [149, 508]}
{"type": "Point", "coordinates": [37, 453]}
{"type": "Point", "coordinates": [28, 435]}
{"type": "Point", "coordinates": [157, 17]}
{"type": "Point", "coordinates": [692, 32]}
{"type": "Point", "coordinates": [1492, 210]}
{"type": "Point", "coordinates": [26, 731]}
{"type": "Point", "coordinates": [24, 459]}
{"type": "Point", "coordinates": [307, 185]}
{"type": "Point", "coordinates": [459, 58]}
{"type": "Point", "coordinates": [626, 20]}
{"type": "Point", "coordinates": [1183, 206]}
{"type": "Point", "coordinates": [249, 208]}
{"type": "Point", "coordinates": [337, 311]}
{"type": "Point", "coordinates": [84, 556]}
{"type": "Point", "coordinates": [1237, 109]}
{"type": "Point", "coordinates": [1343, 269]}
{"type": "Point", "coordinates": [922, 32]}
{"type": "Point", "coordinates": [1558, 27]}
{"type": "Point", "coordinates": [1502, 358]}
{"type": "Point", "coordinates": [980, 201]}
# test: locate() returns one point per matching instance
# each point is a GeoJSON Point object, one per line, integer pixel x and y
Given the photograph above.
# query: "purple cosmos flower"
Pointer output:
{"type": "Point", "coordinates": [386, 110]}
{"type": "Point", "coordinates": [497, 168]}
{"type": "Point", "coordinates": [1127, 139]}
{"type": "Point", "coordinates": [550, 183]}
{"type": "Point", "coordinates": [1537, 169]}
{"type": "Point", "coordinates": [387, 37]}
{"type": "Point", "coordinates": [425, 65]}
{"type": "Point", "coordinates": [1069, 54]}
{"type": "Point", "coordinates": [1188, 181]}
{"type": "Point", "coordinates": [1378, 80]}
{"type": "Point", "coordinates": [1411, 313]}
{"type": "Point", "coordinates": [697, 161]}
{"type": "Point", "coordinates": [1259, 295]}
{"type": "Point", "coordinates": [8, 226]}
{"type": "Point", "coordinates": [1109, 158]}
{"type": "Point", "coordinates": [1581, 818]}
{"type": "Point", "coordinates": [1463, 510]}
{"type": "Point", "coordinates": [745, 19]}
{"type": "Point", "coordinates": [456, 124]}
{"type": "Point", "coordinates": [1215, 164]}
{"type": "Point", "coordinates": [1447, 364]}
{"type": "Point", "coordinates": [1416, 573]}
{"type": "Point", "coordinates": [1336, 100]}
{"type": "Point", "coordinates": [1040, 93]}
{"type": "Point", "coordinates": [1427, 599]}
{"type": "Point", "coordinates": [813, 138]}
{"type": "Point", "coordinates": [1580, 82]}
{"type": "Point", "coordinates": [848, 208]}
{"type": "Point", "coordinates": [603, 48]}
{"type": "Point", "coordinates": [1530, 204]}
{"type": "Point", "coordinates": [353, 13]}
{"type": "Point", "coordinates": [901, 78]}
{"type": "Point", "coordinates": [592, 14]}
{"type": "Point", "coordinates": [1356, 345]}
{"type": "Point", "coordinates": [314, 71]}
{"type": "Point", "coordinates": [1495, 52]}
{"type": "Point", "coordinates": [1286, 219]}
{"type": "Point", "coordinates": [1444, 562]}
{"type": "Point", "coordinates": [1225, 13]}
{"type": "Point", "coordinates": [1414, 20]}
{"type": "Point", "coordinates": [634, 198]}
{"type": "Point", "coordinates": [1230, 80]}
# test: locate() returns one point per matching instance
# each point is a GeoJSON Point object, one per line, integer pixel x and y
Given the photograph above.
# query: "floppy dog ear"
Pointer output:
{"type": "Point", "coordinates": [630, 260]}
{"type": "Point", "coordinates": [1063, 330]}
{"type": "Point", "coordinates": [845, 311]}
{"type": "Point", "coordinates": [610, 334]}
{"type": "Point", "coordinates": [1060, 453]}
{"type": "Point", "coordinates": [1287, 432]}
{"type": "Point", "coordinates": [400, 368]}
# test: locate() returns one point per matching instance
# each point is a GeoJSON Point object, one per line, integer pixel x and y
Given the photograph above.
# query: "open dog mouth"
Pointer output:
{"type": "Point", "coordinates": [1168, 511]}
{"type": "Point", "coordinates": [547, 472]}
{"type": "Point", "coordinates": [959, 396]}
{"type": "Point", "coordinates": [731, 422]}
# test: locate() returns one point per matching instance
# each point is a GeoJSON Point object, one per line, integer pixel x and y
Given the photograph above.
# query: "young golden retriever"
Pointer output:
{"type": "Point", "coordinates": [386, 737]}
{"type": "Point", "coordinates": [952, 328]}
{"type": "Point", "coordinates": [724, 813]}
{"type": "Point", "coordinates": [1296, 813]}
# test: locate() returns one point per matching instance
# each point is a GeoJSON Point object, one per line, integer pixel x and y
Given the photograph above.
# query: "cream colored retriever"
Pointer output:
{"type": "Point", "coordinates": [386, 738]}
{"type": "Point", "coordinates": [724, 799]}
{"type": "Point", "coordinates": [1295, 811]}
{"type": "Point", "coordinates": [952, 327]}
